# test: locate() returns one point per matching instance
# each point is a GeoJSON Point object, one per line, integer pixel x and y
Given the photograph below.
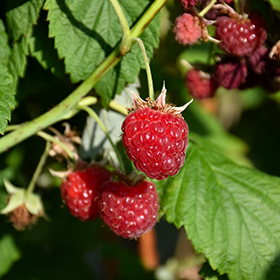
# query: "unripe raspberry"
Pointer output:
{"type": "Point", "coordinates": [200, 84]}
{"type": "Point", "coordinates": [129, 210]}
{"type": "Point", "coordinates": [187, 29]}
{"type": "Point", "coordinates": [81, 189]}
{"type": "Point", "coordinates": [231, 72]}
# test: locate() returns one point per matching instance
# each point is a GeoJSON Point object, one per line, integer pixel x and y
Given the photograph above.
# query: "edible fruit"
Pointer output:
{"type": "Point", "coordinates": [200, 84]}
{"type": "Point", "coordinates": [81, 189]}
{"type": "Point", "coordinates": [240, 36]}
{"type": "Point", "coordinates": [128, 210]}
{"type": "Point", "coordinates": [231, 72]}
{"type": "Point", "coordinates": [155, 136]}
{"type": "Point", "coordinates": [187, 29]}
{"type": "Point", "coordinates": [188, 3]}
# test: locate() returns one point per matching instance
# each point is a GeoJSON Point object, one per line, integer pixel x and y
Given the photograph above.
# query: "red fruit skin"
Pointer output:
{"type": "Point", "coordinates": [231, 73]}
{"type": "Point", "coordinates": [129, 211]}
{"type": "Point", "coordinates": [81, 189]}
{"type": "Point", "coordinates": [200, 85]}
{"type": "Point", "coordinates": [259, 61]}
{"type": "Point", "coordinates": [156, 142]}
{"type": "Point", "coordinates": [187, 30]}
{"type": "Point", "coordinates": [188, 3]}
{"type": "Point", "coordinates": [240, 36]}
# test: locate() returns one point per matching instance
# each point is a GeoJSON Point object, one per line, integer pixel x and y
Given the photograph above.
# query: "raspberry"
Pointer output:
{"type": "Point", "coordinates": [187, 29]}
{"type": "Point", "coordinates": [259, 61]}
{"type": "Point", "coordinates": [80, 191]}
{"type": "Point", "coordinates": [155, 137]}
{"type": "Point", "coordinates": [188, 3]}
{"type": "Point", "coordinates": [240, 36]}
{"type": "Point", "coordinates": [231, 72]}
{"type": "Point", "coordinates": [128, 210]}
{"type": "Point", "coordinates": [201, 85]}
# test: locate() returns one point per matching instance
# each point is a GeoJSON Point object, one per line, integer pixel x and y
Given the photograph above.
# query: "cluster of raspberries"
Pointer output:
{"type": "Point", "coordinates": [128, 208]}
{"type": "Point", "coordinates": [248, 60]}
{"type": "Point", "coordinates": [155, 136]}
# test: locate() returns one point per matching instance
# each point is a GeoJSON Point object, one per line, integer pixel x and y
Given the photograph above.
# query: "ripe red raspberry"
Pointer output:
{"type": "Point", "coordinates": [81, 189]}
{"type": "Point", "coordinates": [155, 137]}
{"type": "Point", "coordinates": [200, 84]}
{"type": "Point", "coordinates": [129, 211]}
{"type": "Point", "coordinates": [259, 61]}
{"type": "Point", "coordinates": [231, 72]}
{"type": "Point", "coordinates": [188, 3]}
{"type": "Point", "coordinates": [240, 36]}
{"type": "Point", "coordinates": [187, 29]}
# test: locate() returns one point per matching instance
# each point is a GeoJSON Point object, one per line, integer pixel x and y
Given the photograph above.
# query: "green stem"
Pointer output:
{"type": "Point", "coordinates": [122, 19]}
{"type": "Point", "coordinates": [97, 119]}
{"type": "Point", "coordinates": [50, 138]}
{"type": "Point", "coordinates": [38, 170]}
{"type": "Point", "coordinates": [12, 127]}
{"type": "Point", "coordinates": [88, 101]}
{"type": "Point", "coordinates": [118, 107]}
{"type": "Point", "coordinates": [66, 106]}
{"type": "Point", "coordinates": [207, 8]}
{"type": "Point", "coordinates": [148, 69]}
{"type": "Point", "coordinates": [237, 6]}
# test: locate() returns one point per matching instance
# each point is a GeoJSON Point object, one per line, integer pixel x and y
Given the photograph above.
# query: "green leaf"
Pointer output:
{"type": "Point", "coordinates": [231, 213]}
{"type": "Point", "coordinates": [275, 4]}
{"type": "Point", "coordinates": [4, 46]}
{"type": "Point", "coordinates": [7, 100]}
{"type": "Point", "coordinates": [42, 48]}
{"type": "Point", "coordinates": [21, 15]}
{"type": "Point", "coordinates": [18, 59]}
{"type": "Point", "coordinates": [86, 32]}
{"type": "Point", "coordinates": [210, 274]}
{"type": "Point", "coordinates": [206, 124]}
{"type": "Point", "coordinates": [9, 253]}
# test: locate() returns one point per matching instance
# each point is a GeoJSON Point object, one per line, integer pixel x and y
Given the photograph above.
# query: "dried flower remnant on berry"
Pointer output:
{"type": "Point", "coordinates": [21, 218]}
